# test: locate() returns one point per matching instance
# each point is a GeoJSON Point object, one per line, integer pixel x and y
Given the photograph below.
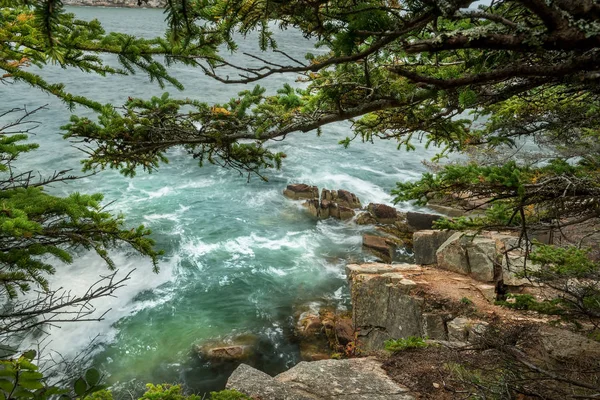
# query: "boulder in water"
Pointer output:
{"type": "Point", "coordinates": [301, 191]}
{"type": "Point", "coordinates": [379, 246]}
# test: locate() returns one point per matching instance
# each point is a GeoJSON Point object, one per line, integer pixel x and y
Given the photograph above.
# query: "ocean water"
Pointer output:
{"type": "Point", "coordinates": [240, 259]}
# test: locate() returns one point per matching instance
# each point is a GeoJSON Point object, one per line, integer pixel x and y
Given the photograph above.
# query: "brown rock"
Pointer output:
{"type": "Point", "coordinates": [365, 218]}
{"type": "Point", "coordinates": [327, 194]}
{"type": "Point", "coordinates": [344, 331]}
{"type": "Point", "coordinates": [379, 246]}
{"type": "Point", "coordinates": [384, 214]}
{"type": "Point", "coordinates": [230, 353]}
{"type": "Point", "coordinates": [419, 221]}
{"type": "Point", "coordinates": [313, 207]}
{"type": "Point", "coordinates": [345, 213]}
{"type": "Point", "coordinates": [301, 191]}
{"type": "Point", "coordinates": [347, 199]}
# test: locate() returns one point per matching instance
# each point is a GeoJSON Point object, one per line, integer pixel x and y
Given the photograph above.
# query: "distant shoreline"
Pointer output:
{"type": "Point", "coordinates": [126, 4]}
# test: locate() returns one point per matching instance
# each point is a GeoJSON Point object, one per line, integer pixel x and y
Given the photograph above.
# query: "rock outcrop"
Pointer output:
{"type": "Point", "coordinates": [352, 379]}
{"type": "Point", "coordinates": [426, 243]}
{"type": "Point", "coordinates": [488, 257]}
{"type": "Point", "coordinates": [339, 204]}
{"type": "Point", "coordinates": [386, 306]}
{"type": "Point", "coordinates": [323, 333]}
{"type": "Point", "coordinates": [301, 191]}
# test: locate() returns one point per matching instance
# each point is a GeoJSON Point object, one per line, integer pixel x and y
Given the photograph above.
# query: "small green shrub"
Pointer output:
{"type": "Point", "coordinates": [466, 301]}
{"type": "Point", "coordinates": [528, 302]}
{"type": "Point", "coordinates": [228, 395]}
{"type": "Point", "coordinates": [411, 342]}
{"type": "Point", "coordinates": [166, 392]}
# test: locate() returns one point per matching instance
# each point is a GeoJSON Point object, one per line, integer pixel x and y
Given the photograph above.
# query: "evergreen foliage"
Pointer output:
{"type": "Point", "coordinates": [480, 81]}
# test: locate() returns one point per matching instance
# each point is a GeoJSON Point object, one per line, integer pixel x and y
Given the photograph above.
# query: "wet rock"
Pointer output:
{"type": "Point", "coordinates": [347, 199]}
{"type": "Point", "coordinates": [238, 348]}
{"type": "Point", "coordinates": [301, 191]}
{"type": "Point", "coordinates": [345, 213]}
{"type": "Point", "coordinates": [379, 246]}
{"type": "Point", "coordinates": [237, 352]}
{"type": "Point", "coordinates": [426, 243]}
{"type": "Point", "coordinates": [313, 207]}
{"type": "Point", "coordinates": [344, 331]}
{"type": "Point", "coordinates": [353, 379]}
{"type": "Point", "coordinates": [365, 218]}
{"type": "Point", "coordinates": [419, 221]}
{"type": "Point", "coordinates": [382, 213]}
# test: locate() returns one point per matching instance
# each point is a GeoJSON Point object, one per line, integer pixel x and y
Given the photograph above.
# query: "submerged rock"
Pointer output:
{"type": "Point", "coordinates": [354, 379]}
{"type": "Point", "coordinates": [237, 348]}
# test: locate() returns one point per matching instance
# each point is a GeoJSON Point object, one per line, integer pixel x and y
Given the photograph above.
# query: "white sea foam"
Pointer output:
{"type": "Point", "coordinates": [69, 339]}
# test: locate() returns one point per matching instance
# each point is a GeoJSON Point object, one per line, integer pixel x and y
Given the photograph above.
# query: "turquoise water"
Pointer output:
{"type": "Point", "coordinates": [239, 257]}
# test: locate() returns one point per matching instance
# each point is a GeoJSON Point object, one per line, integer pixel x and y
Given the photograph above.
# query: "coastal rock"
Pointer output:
{"type": "Point", "coordinates": [345, 213]}
{"type": "Point", "coordinates": [383, 308]}
{"type": "Point", "coordinates": [426, 243]}
{"type": "Point", "coordinates": [347, 199]}
{"type": "Point", "coordinates": [383, 213]}
{"type": "Point", "coordinates": [447, 211]}
{"type": "Point", "coordinates": [379, 246]}
{"type": "Point", "coordinates": [301, 191]}
{"type": "Point", "coordinates": [365, 218]}
{"type": "Point", "coordinates": [238, 348]}
{"type": "Point", "coordinates": [482, 257]}
{"type": "Point", "coordinates": [259, 385]}
{"type": "Point", "coordinates": [419, 221]}
{"type": "Point", "coordinates": [231, 353]}
{"type": "Point", "coordinates": [313, 207]}
{"type": "Point", "coordinates": [452, 255]}
{"type": "Point", "coordinates": [353, 379]}
{"type": "Point", "coordinates": [319, 334]}
{"type": "Point", "coordinates": [378, 268]}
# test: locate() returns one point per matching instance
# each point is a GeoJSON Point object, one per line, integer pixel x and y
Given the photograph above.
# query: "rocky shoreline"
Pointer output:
{"type": "Point", "coordinates": [447, 296]}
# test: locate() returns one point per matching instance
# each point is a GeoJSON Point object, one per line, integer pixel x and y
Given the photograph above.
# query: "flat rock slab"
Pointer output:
{"type": "Point", "coordinates": [379, 268]}
{"type": "Point", "coordinates": [354, 379]}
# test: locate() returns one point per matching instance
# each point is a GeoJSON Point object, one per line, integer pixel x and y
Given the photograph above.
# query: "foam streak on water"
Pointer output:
{"type": "Point", "coordinates": [240, 258]}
